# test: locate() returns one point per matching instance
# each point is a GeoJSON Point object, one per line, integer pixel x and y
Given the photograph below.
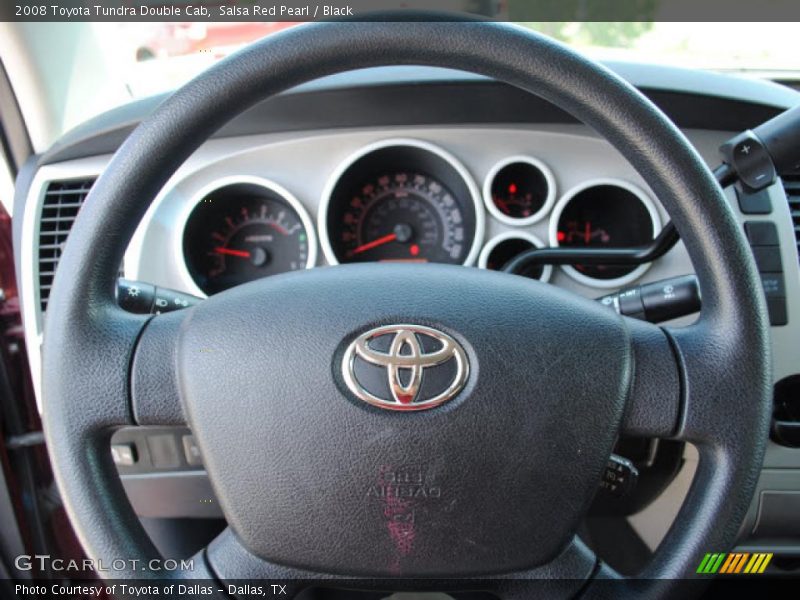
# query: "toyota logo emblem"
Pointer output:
{"type": "Point", "coordinates": [405, 367]}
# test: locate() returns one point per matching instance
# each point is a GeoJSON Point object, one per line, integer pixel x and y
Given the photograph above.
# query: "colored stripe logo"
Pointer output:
{"type": "Point", "coordinates": [734, 563]}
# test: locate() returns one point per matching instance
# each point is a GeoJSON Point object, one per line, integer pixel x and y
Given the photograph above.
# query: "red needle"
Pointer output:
{"type": "Point", "coordinates": [375, 243]}
{"type": "Point", "coordinates": [229, 251]}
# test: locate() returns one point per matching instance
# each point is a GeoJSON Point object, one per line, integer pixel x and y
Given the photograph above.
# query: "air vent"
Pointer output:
{"type": "Point", "coordinates": [791, 183]}
{"type": "Point", "coordinates": [62, 200]}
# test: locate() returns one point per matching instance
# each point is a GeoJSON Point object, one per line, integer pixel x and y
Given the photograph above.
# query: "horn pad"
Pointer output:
{"type": "Point", "coordinates": [529, 384]}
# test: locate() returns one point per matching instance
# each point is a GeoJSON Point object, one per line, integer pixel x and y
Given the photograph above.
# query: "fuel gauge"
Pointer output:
{"type": "Point", "coordinates": [519, 190]}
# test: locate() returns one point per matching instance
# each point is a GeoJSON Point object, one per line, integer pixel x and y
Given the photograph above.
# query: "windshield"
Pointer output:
{"type": "Point", "coordinates": [162, 56]}
{"type": "Point", "coordinates": [131, 60]}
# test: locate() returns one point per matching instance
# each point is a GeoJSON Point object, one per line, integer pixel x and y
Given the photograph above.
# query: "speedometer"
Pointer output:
{"type": "Point", "coordinates": [401, 201]}
{"type": "Point", "coordinates": [403, 216]}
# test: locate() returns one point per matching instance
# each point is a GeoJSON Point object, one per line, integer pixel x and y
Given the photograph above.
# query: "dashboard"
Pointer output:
{"type": "Point", "coordinates": [428, 196]}
{"type": "Point", "coordinates": [414, 165]}
{"type": "Point", "coordinates": [410, 200]}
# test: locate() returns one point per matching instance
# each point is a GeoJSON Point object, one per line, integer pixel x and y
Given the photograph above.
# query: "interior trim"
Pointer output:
{"type": "Point", "coordinates": [32, 320]}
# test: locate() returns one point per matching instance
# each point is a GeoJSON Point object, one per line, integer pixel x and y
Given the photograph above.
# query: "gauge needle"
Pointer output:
{"type": "Point", "coordinates": [231, 252]}
{"type": "Point", "coordinates": [375, 243]}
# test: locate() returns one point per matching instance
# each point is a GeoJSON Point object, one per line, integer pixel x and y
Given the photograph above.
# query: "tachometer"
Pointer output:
{"type": "Point", "coordinates": [403, 201]}
{"type": "Point", "coordinates": [244, 231]}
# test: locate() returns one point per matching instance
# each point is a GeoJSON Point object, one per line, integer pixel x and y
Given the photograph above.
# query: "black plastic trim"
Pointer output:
{"type": "Point", "coordinates": [406, 104]}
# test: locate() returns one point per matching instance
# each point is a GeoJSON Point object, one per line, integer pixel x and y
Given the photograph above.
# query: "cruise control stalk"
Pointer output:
{"type": "Point", "coordinates": [657, 301]}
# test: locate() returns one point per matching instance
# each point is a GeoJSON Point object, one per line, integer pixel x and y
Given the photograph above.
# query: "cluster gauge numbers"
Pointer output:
{"type": "Point", "coordinates": [243, 232]}
{"type": "Point", "coordinates": [402, 215]}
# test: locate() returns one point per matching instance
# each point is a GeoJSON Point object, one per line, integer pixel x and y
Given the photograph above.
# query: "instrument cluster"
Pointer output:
{"type": "Point", "coordinates": [406, 200]}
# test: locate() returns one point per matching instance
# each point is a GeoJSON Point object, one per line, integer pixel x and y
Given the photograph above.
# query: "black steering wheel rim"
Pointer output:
{"type": "Point", "coordinates": [722, 405]}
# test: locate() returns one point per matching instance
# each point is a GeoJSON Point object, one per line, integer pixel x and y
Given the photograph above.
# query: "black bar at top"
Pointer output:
{"type": "Point", "coordinates": [543, 11]}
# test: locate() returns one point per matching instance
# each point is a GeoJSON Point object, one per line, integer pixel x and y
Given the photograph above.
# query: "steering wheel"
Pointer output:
{"type": "Point", "coordinates": [484, 491]}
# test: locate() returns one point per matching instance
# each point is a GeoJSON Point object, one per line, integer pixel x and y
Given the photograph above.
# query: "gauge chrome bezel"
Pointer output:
{"type": "Point", "coordinates": [527, 236]}
{"type": "Point", "coordinates": [457, 165]}
{"type": "Point", "coordinates": [538, 215]}
{"type": "Point", "coordinates": [644, 198]}
{"type": "Point", "coordinates": [217, 184]}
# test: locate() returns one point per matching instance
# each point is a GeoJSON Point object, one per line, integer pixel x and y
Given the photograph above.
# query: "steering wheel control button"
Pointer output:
{"type": "Point", "coordinates": [405, 367]}
{"type": "Point", "coordinates": [619, 477]}
{"type": "Point", "coordinates": [124, 455]}
{"type": "Point", "coordinates": [163, 451]}
{"type": "Point", "coordinates": [192, 451]}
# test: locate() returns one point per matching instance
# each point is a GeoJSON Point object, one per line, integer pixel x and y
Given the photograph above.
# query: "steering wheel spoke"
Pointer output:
{"type": "Point", "coordinates": [682, 384]}
{"type": "Point", "coordinates": [155, 397]}
{"type": "Point", "coordinates": [715, 375]}
{"type": "Point", "coordinates": [653, 407]}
